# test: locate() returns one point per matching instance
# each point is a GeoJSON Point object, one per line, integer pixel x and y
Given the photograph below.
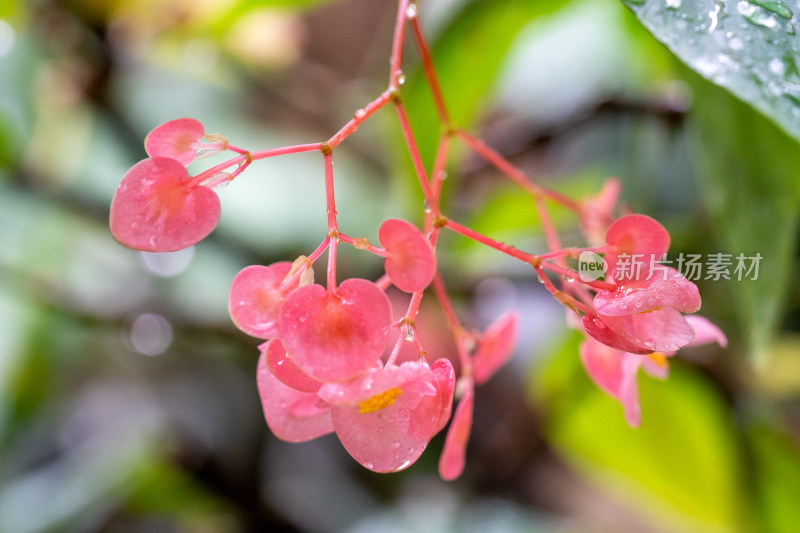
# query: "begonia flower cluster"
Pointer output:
{"type": "Point", "coordinates": [328, 361]}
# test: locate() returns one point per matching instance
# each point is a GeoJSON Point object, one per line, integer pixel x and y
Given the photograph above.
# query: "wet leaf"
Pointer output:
{"type": "Point", "coordinates": [748, 47]}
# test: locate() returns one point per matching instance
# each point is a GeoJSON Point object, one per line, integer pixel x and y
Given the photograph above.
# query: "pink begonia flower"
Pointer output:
{"type": "Point", "coordinates": [596, 215]}
{"type": "Point", "coordinates": [453, 458]}
{"type": "Point", "coordinates": [256, 297]}
{"type": "Point", "coordinates": [663, 289]}
{"type": "Point", "coordinates": [495, 346]}
{"type": "Point", "coordinates": [284, 368]}
{"type": "Point", "coordinates": [176, 139]}
{"type": "Point", "coordinates": [659, 330]}
{"type": "Point", "coordinates": [336, 336]}
{"type": "Point", "coordinates": [292, 415]}
{"type": "Point", "coordinates": [638, 239]}
{"type": "Point", "coordinates": [386, 418]}
{"type": "Point", "coordinates": [614, 371]}
{"type": "Point", "coordinates": [643, 316]}
{"type": "Point", "coordinates": [156, 208]}
{"type": "Point", "coordinates": [410, 263]}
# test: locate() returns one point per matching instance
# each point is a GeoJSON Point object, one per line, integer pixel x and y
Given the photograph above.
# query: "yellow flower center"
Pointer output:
{"type": "Point", "coordinates": [659, 358]}
{"type": "Point", "coordinates": [379, 401]}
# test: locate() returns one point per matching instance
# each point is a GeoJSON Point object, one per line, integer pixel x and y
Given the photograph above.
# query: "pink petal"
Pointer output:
{"type": "Point", "coordinates": [284, 368]}
{"type": "Point", "coordinates": [175, 139]}
{"type": "Point", "coordinates": [335, 336]}
{"type": "Point", "coordinates": [669, 289]}
{"type": "Point", "coordinates": [445, 382]}
{"type": "Point", "coordinates": [705, 332]}
{"type": "Point", "coordinates": [661, 330]}
{"type": "Point", "coordinates": [638, 237]}
{"type": "Point", "coordinates": [292, 415]}
{"type": "Point", "coordinates": [629, 390]}
{"type": "Point", "coordinates": [410, 262]}
{"type": "Point", "coordinates": [597, 212]}
{"type": "Point", "coordinates": [603, 364]}
{"type": "Point", "coordinates": [453, 458]}
{"type": "Point", "coordinates": [386, 418]}
{"type": "Point", "coordinates": [256, 297]}
{"type": "Point", "coordinates": [656, 364]}
{"type": "Point", "coordinates": [614, 372]}
{"type": "Point", "coordinates": [155, 209]}
{"type": "Point", "coordinates": [495, 346]}
{"type": "Point", "coordinates": [596, 326]}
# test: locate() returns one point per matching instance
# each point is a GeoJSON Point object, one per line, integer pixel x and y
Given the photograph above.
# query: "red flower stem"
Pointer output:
{"type": "Point", "coordinates": [416, 159]}
{"type": "Point", "coordinates": [559, 295]}
{"type": "Point", "coordinates": [283, 150]}
{"type": "Point", "coordinates": [515, 174]}
{"type": "Point", "coordinates": [488, 241]}
{"type": "Point", "coordinates": [571, 274]}
{"type": "Point", "coordinates": [360, 116]}
{"type": "Point", "coordinates": [248, 157]}
{"type": "Point", "coordinates": [573, 252]}
{"type": "Point", "coordinates": [321, 248]}
{"type": "Point", "coordinates": [396, 348]}
{"type": "Point", "coordinates": [553, 241]}
{"type": "Point", "coordinates": [232, 148]}
{"type": "Point", "coordinates": [362, 244]}
{"type": "Point", "coordinates": [398, 40]}
{"type": "Point", "coordinates": [439, 165]}
{"type": "Point", "coordinates": [333, 232]}
{"type": "Point", "coordinates": [383, 282]}
{"type": "Point", "coordinates": [430, 72]}
{"type": "Point", "coordinates": [459, 333]}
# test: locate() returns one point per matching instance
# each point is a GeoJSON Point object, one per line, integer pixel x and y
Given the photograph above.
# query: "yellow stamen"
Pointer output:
{"type": "Point", "coordinates": [659, 358]}
{"type": "Point", "coordinates": [379, 401]}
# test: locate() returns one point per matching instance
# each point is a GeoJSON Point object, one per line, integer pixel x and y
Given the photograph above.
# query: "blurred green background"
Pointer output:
{"type": "Point", "coordinates": [127, 398]}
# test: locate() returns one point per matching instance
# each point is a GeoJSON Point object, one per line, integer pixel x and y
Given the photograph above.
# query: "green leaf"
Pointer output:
{"type": "Point", "coordinates": [680, 468]}
{"type": "Point", "coordinates": [750, 171]}
{"type": "Point", "coordinates": [776, 477]}
{"type": "Point", "coordinates": [748, 47]}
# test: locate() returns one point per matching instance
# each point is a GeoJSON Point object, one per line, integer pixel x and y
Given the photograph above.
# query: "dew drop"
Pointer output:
{"type": "Point", "coordinates": [735, 43]}
{"type": "Point", "coordinates": [401, 79]}
{"type": "Point", "coordinates": [409, 337]}
{"type": "Point", "coordinates": [411, 10]}
{"type": "Point", "coordinates": [395, 445]}
{"type": "Point", "coordinates": [673, 4]}
{"type": "Point", "coordinates": [777, 67]}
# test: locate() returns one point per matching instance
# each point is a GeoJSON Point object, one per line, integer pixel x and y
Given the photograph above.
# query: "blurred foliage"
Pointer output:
{"type": "Point", "coordinates": [100, 432]}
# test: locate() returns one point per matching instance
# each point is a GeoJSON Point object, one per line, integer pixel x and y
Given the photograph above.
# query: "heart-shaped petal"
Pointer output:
{"type": "Point", "coordinates": [175, 139]}
{"type": "Point", "coordinates": [410, 262]}
{"type": "Point", "coordinates": [336, 335]}
{"type": "Point", "coordinates": [292, 415]}
{"type": "Point", "coordinates": [639, 239]}
{"type": "Point", "coordinates": [284, 368]}
{"type": "Point", "coordinates": [256, 297]}
{"type": "Point", "coordinates": [157, 209]}
{"type": "Point", "coordinates": [386, 418]}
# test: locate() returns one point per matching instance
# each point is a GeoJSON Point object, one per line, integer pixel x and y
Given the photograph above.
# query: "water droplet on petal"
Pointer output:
{"type": "Point", "coordinates": [673, 4]}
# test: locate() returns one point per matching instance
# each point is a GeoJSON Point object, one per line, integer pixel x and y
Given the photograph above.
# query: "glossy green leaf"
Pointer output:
{"type": "Point", "coordinates": [748, 47]}
{"type": "Point", "coordinates": [750, 170]}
